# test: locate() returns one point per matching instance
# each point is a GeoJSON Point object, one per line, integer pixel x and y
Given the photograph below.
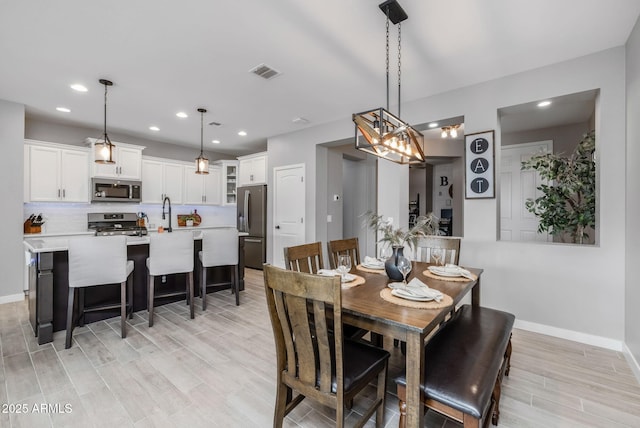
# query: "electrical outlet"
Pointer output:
{"type": "Point", "coordinates": [336, 197]}
{"type": "Point", "coordinates": [329, 218]}
{"type": "Point", "coordinates": [164, 279]}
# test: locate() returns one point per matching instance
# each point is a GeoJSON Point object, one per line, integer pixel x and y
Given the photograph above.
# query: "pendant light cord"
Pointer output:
{"type": "Point", "coordinates": [106, 138]}
{"type": "Point", "coordinates": [399, 62]}
{"type": "Point", "coordinates": [201, 133]}
{"type": "Point", "coordinates": [387, 60]}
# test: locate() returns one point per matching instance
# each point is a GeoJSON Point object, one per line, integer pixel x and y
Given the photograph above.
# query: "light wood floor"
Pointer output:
{"type": "Point", "coordinates": [218, 371]}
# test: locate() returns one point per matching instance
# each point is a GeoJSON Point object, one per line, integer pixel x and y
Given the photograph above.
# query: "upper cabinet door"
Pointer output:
{"type": "Point", "coordinates": [74, 176]}
{"type": "Point", "coordinates": [173, 177]}
{"type": "Point", "coordinates": [212, 186]}
{"type": "Point", "coordinates": [193, 186]}
{"type": "Point", "coordinates": [252, 170]}
{"type": "Point", "coordinates": [152, 186]}
{"type": "Point", "coordinates": [129, 163]}
{"type": "Point", "coordinates": [44, 174]}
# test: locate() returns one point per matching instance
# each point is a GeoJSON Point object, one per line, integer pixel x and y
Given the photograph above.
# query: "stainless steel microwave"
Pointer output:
{"type": "Point", "coordinates": [110, 190]}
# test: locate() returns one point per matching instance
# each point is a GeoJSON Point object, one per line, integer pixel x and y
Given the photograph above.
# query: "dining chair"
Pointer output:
{"type": "Point", "coordinates": [219, 248]}
{"type": "Point", "coordinates": [170, 254]}
{"type": "Point", "coordinates": [451, 245]}
{"type": "Point", "coordinates": [304, 258]}
{"type": "Point", "coordinates": [98, 262]}
{"type": "Point", "coordinates": [347, 246]}
{"type": "Point", "coordinates": [311, 360]}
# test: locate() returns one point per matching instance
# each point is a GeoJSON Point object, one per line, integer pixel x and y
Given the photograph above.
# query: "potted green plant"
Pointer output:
{"type": "Point", "coordinates": [568, 201]}
{"type": "Point", "coordinates": [397, 237]}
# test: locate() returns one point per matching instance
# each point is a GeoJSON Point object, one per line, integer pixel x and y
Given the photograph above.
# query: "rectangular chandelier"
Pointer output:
{"type": "Point", "coordinates": [382, 134]}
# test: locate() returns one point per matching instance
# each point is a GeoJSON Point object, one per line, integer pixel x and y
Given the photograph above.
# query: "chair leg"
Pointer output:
{"type": "Point", "coordinates": [123, 308]}
{"type": "Point", "coordinates": [236, 284]}
{"type": "Point", "coordinates": [67, 343]}
{"type": "Point", "coordinates": [190, 294]}
{"type": "Point", "coordinates": [130, 285]}
{"type": "Point", "coordinates": [81, 307]}
{"type": "Point", "coordinates": [507, 356]}
{"type": "Point", "coordinates": [282, 394]}
{"type": "Point", "coordinates": [150, 285]}
{"type": "Point", "coordinates": [203, 288]}
{"type": "Point", "coordinates": [382, 390]}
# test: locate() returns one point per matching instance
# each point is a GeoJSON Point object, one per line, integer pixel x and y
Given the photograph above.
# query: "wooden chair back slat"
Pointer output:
{"type": "Point", "coordinates": [305, 258]}
{"type": "Point", "coordinates": [450, 244]}
{"type": "Point", "coordinates": [347, 246]}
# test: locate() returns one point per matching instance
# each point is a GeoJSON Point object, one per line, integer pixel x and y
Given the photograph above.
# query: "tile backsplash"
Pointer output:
{"type": "Point", "coordinates": [72, 218]}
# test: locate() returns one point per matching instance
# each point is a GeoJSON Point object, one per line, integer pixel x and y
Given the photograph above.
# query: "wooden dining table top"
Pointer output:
{"type": "Point", "coordinates": [365, 303]}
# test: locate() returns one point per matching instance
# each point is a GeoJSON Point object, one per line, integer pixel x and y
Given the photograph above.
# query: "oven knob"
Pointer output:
{"type": "Point", "coordinates": [110, 233]}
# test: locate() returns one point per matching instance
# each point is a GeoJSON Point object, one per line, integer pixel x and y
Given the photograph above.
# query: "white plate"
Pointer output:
{"type": "Point", "coordinates": [400, 293]}
{"type": "Point", "coordinates": [441, 272]}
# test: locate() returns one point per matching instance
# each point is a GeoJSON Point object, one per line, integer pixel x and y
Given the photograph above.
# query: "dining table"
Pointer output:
{"type": "Point", "coordinates": [363, 306]}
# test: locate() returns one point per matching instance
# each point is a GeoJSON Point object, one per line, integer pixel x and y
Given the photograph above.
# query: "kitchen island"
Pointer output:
{"type": "Point", "coordinates": [49, 282]}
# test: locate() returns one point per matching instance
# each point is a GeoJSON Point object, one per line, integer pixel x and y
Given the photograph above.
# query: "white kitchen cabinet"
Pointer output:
{"type": "Point", "coordinates": [229, 181]}
{"type": "Point", "coordinates": [203, 189]}
{"type": "Point", "coordinates": [127, 166]}
{"type": "Point", "coordinates": [160, 179]}
{"type": "Point", "coordinates": [57, 173]}
{"type": "Point", "coordinates": [252, 169]}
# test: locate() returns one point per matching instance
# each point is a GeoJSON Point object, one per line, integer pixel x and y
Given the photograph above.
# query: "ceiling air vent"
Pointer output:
{"type": "Point", "coordinates": [265, 71]}
{"type": "Point", "coordinates": [215, 123]}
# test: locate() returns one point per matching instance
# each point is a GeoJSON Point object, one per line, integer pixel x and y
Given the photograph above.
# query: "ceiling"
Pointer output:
{"type": "Point", "coordinates": [165, 57]}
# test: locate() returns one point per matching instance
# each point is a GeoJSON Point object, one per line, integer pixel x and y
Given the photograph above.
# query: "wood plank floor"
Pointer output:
{"type": "Point", "coordinates": [218, 371]}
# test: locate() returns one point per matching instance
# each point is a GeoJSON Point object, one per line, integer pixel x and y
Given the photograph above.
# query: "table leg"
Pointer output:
{"type": "Point", "coordinates": [475, 294]}
{"type": "Point", "coordinates": [415, 373]}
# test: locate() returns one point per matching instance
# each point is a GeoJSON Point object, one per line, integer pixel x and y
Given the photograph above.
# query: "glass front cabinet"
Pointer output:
{"type": "Point", "coordinates": [229, 181]}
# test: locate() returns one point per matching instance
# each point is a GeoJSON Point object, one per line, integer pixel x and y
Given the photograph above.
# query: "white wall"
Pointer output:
{"type": "Point", "coordinates": [12, 258]}
{"type": "Point", "coordinates": [632, 271]}
{"type": "Point", "coordinates": [560, 286]}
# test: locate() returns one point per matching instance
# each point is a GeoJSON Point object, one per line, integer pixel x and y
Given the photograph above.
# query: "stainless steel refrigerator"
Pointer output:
{"type": "Point", "coordinates": [252, 218]}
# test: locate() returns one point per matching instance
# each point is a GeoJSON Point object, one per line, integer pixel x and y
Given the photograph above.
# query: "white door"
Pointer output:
{"type": "Point", "coordinates": [128, 162]}
{"type": "Point", "coordinates": [44, 174]}
{"type": "Point", "coordinates": [212, 185]}
{"type": "Point", "coordinates": [516, 186]}
{"type": "Point", "coordinates": [288, 209]}
{"type": "Point", "coordinates": [193, 186]}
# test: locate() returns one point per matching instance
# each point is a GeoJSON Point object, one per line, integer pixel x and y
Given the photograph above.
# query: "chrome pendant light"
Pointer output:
{"type": "Point", "coordinates": [380, 132]}
{"type": "Point", "coordinates": [202, 163]}
{"type": "Point", "coordinates": [103, 149]}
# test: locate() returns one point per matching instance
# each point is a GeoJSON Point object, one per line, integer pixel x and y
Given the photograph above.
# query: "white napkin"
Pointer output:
{"type": "Point", "coordinates": [372, 262]}
{"type": "Point", "coordinates": [451, 269]}
{"type": "Point", "coordinates": [327, 272]}
{"type": "Point", "coordinates": [417, 288]}
{"type": "Point", "coordinates": [330, 272]}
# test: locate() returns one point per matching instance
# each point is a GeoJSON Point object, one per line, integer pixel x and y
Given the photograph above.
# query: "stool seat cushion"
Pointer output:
{"type": "Point", "coordinates": [219, 247]}
{"type": "Point", "coordinates": [170, 253]}
{"type": "Point", "coordinates": [97, 261]}
{"type": "Point", "coordinates": [464, 357]}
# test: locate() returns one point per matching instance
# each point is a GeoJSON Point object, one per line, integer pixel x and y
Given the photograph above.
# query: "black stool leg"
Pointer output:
{"type": "Point", "coordinates": [190, 293]}
{"type": "Point", "coordinates": [150, 295]}
{"type": "Point", "coordinates": [123, 309]}
{"type": "Point", "coordinates": [67, 343]}
{"type": "Point", "coordinates": [203, 287]}
{"type": "Point", "coordinates": [236, 284]}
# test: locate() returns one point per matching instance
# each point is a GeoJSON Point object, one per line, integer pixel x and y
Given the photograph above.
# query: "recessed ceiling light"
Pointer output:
{"type": "Point", "coordinates": [242, 133]}
{"type": "Point", "coordinates": [433, 124]}
{"type": "Point", "coordinates": [544, 103]}
{"type": "Point", "coordinates": [215, 141]}
{"type": "Point", "coordinates": [182, 115]}
{"type": "Point", "coordinates": [154, 128]}
{"type": "Point", "coordinates": [78, 87]}
{"type": "Point", "coordinates": [63, 109]}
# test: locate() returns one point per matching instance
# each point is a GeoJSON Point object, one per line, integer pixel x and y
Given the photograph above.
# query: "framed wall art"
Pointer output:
{"type": "Point", "coordinates": [479, 165]}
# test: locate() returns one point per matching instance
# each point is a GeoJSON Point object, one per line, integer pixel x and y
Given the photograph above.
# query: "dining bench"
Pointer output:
{"type": "Point", "coordinates": [465, 362]}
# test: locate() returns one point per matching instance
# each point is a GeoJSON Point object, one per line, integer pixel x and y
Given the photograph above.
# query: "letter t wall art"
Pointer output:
{"type": "Point", "coordinates": [479, 165]}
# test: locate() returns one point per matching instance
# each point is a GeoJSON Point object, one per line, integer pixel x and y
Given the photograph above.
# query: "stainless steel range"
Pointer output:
{"type": "Point", "coordinates": [106, 224]}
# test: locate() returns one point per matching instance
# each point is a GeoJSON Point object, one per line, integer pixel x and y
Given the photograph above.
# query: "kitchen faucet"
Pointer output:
{"type": "Point", "coordinates": [167, 200]}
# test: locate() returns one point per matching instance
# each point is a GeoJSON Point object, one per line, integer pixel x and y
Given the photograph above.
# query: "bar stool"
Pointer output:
{"type": "Point", "coordinates": [94, 262]}
{"type": "Point", "coordinates": [219, 248]}
{"type": "Point", "coordinates": [169, 253]}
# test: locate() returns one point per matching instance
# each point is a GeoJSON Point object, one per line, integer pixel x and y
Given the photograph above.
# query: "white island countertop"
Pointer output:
{"type": "Point", "coordinates": [51, 243]}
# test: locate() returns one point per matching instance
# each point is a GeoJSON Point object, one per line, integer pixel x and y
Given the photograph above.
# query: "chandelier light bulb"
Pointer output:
{"type": "Point", "coordinates": [444, 133]}
{"type": "Point", "coordinates": [454, 133]}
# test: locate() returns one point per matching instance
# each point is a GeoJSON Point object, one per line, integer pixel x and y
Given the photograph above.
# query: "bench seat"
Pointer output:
{"type": "Point", "coordinates": [465, 362]}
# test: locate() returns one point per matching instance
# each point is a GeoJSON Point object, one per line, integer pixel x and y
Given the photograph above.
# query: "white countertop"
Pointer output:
{"type": "Point", "coordinates": [45, 243]}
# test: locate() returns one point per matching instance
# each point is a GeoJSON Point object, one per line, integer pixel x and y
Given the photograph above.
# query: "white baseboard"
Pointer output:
{"type": "Point", "coordinates": [589, 339]}
{"type": "Point", "coordinates": [12, 298]}
{"type": "Point", "coordinates": [633, 363]}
